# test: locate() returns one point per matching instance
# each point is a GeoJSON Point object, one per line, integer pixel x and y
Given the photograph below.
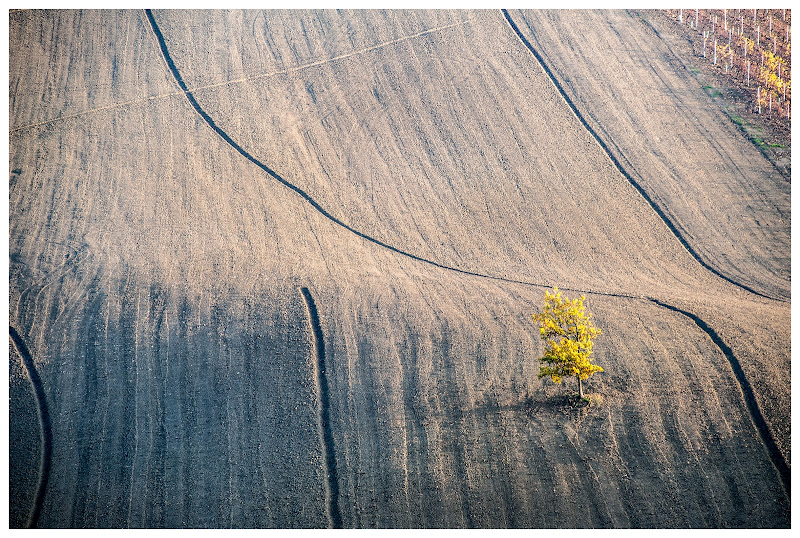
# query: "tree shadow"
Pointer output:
{"type": "Point", "coordinates": [532, 405]}
{"type": "Point", "coordinates": [558, 402]}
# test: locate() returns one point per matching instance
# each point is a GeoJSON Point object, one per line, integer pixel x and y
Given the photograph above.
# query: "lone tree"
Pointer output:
{"type": "Point", "coordinates": [568, 333]}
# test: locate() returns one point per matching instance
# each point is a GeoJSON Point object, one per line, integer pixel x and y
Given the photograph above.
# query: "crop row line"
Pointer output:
{"type": "Point", "coordinates": [770, 65]}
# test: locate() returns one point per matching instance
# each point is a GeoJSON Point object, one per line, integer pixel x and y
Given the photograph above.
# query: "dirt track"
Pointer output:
{"type": "Point", "coordinates": [421, 177]}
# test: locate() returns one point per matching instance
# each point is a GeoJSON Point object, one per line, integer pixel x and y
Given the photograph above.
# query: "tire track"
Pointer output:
{"type": "Point", "coordinates": [46, 432]}
{"type": "Point", "coordinates": [142, 100]}
{"type": "Point", "coordinates": [749, 396]}
{"type": "Point", "coordinates": [653, 205]}
{"type": "Point", "coordinates": [326, 433]}
{"type": "Point", "coordinates": [70, 263]}
{"type": "Point", "coordinates": [755, 413]}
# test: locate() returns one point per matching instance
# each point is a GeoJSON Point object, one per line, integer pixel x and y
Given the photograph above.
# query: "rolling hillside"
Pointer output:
{"type": "Point", "coordinates": [276, 269]}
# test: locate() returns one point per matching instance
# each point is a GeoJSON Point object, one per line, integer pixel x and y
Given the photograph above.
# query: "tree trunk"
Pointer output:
{"type": "Point", "coordinates": [580, 388]}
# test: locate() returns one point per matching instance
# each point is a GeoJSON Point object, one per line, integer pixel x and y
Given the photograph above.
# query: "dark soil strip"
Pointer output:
{"type": "Point", "coordinates": [749, 397]}
{"type": "Point", "coordinates": [332, 489]}
{"type": "Point", "coordinates": [46, 431]}
{"type": "Point", "coordinates": [622, 169]}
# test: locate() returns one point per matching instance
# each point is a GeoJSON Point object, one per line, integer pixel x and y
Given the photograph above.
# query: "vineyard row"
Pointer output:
{"type": "Point", "coordinates": [751, 45]}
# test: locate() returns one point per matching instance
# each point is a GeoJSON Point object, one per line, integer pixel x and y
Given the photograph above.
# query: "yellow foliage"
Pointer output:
{"type": "Point", "coordinates": [724, 52]}
{"type": "Point", "coordinates": [772, 61]}
{"type": "Point", "coordinates": [567, 330]}
{"type": "Point", "coordinates": [750, 44]}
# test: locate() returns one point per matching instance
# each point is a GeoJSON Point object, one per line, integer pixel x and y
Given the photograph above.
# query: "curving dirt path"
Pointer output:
{"type": "Point", "coordinates": [46, 431]}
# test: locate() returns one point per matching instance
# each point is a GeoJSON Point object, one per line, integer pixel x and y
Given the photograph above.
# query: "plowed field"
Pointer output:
{"type": "Point", "coordinates": [277, 269]}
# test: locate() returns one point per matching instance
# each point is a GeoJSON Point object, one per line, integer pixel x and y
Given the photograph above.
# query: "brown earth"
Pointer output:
{"type": "Point", "coordinates": [425, 176]}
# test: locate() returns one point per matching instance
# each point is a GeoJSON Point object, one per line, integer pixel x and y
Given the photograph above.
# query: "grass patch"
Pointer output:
{"type": "Point", "coordinates": [711, 91]}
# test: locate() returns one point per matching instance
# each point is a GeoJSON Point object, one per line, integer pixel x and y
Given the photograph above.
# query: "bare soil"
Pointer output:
{"type": "Point", "coordinates": [296, 291]}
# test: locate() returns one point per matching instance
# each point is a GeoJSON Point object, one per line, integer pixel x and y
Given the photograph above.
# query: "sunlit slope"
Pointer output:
{"type": "Point", "coordinates": [108, 63]}
{"type": "Point", "coordinates": [452, 145]}
{"type": "Point", "coordinates": [730, 203]}
{"type": "Point", "coordinates": [155, 277]}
